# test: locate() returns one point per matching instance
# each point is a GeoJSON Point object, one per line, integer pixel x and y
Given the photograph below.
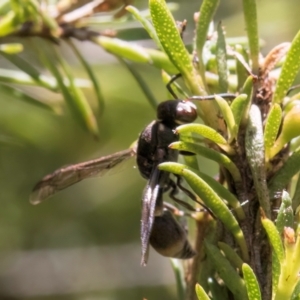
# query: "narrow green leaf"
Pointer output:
{"type": "Point", "coordinates": [241, 72]}
{"type": "Point", "coordinates": [11, 48]}
{"type": "Point", "coordinates": [169, 36]}
{"type": "Point", "coordinates": [272, 127]}
{"type": "Point", "coordinates": [9, 24]}
{"type": "Point", "coordinates": [296, 292]}
{"type": "Point", "coordinates": [283, 176]}
{"type": "Point", "coordinates": [146, 24]}
{"type": "Point", "coordinates": [296, 196]}
{"type": "Point", "coordinates": [122, 48]}
{"type": "Point", "coordinates": [201, 294]}
{"type": "Point", "coordinates": [250, 16]}
{"type": "Point", "coordinates": [27, 68]}
{"type": "Point", "coordinates": [179, 277]}
{"type": "Point", "coordinates": [290, 129]}
{"type": "Point", "coordinates": [19, 94]}
{"type": "Point", "coordinates": [217, 289]}
{"type": "Point", "coordinates": [228, 117]}
{"type": "Point", "coordinates": [80, 106]}
{"type": "Point", "coordinates": [289, 70]}
{"type": "Point", "coordinates": [160, 60]}
{"type": "Point", "coordinates": [231, 255]}
{"type": "Point", "coordinates": [19, 77]}
{"type": "Point", "coordinates": [91, 75]}
{"type": "Point", "coordinates": [276, 269]}
{"type": "Point", "coordinates": [230, 277]}
{"type": "Point", "coordinates": [206, 13]}
{"type": "Point", "coordinates": [211, 200]}
{"type": "Point", "coordinates": [251, 282]}
{"type": "Point", "coordinates": [73, 96]}
{"type": "Point", "coordinates": [142, 83]}
{"type": "Point", "coordinates": [285, 216]}
{"type": "Point", "coordinates": [204, 151]}
{"type": "Point", "coordinates": [238, 107]}
{"type": "Point", "coordinates": [204, 131]}
{"type": "Point", "coordinates": [215, 185]}
{"type": "Point", "coordinates": [274, 238]}
{"type": "Point", "coordinates": [136, 53]}
{"type": "Point", "coordinates": [248, 90]}
{"type": "Point", "coordinates": [289, 276]}
{"type": "Point", "coordinates": [173, 45]}
{"type": "Point", "coordinates": [255, 153]}
{"type": "Point", "coordinates": [221, 60]}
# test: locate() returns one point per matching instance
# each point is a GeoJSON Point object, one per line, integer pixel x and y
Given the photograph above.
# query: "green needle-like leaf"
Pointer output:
{"type": "Point", "coordinates": [240, 69]}
{"type": "Point", "coordinates": [207, 10]}
{"type": "Point", "coordinates": [231, 255]}
{"type": "Point", "coordinates": [221, 60]}
{"type": "Point", "coordinates": [238, 107]}
{"type": "Point", "coordinates": [201, 294]}
{"type": "Point", "coordinates": [250, 16]}
{"type": "Point", "coordinates": [179, 277]}
{"type": "Point", "coordinates": [282, 177]}
{"type": "Point", "coordinates": [228, 117]}
{"type": "Point", "coordinates": [136, 53]}
{"type": "Point", "coordinates": [272, 127]}
{"type": "Point", "coordinates": [285, 216]}
{"type": "Point", "coordinates": [206, 132]}
{"type": "Point", "coordinates": [122, 48]}
{"type": "Point", "coordinates": [204, 151]}
{"type": "Point", "coordinates": [289, 276]}
{"type": "Point", "coordinates": [255, 153]}
{"type": "Point", "coordinates": [211, 200]}
{"type": "Point", "coordinates": [229, 275]}
{"type": "Point", "coordinates": [274, 238]}
{"type": "Point", "coordinates": [296, 196]}
{"type": "Point", "coordinates": [170, 39]}
{"type": "Point", "coordinates": [91, 74]}
{"type": "Point", "coordinates": [142, 83]}
{"type": "Point", "coordinates": [27, 68]}
{"type": "Point", "coordinates": [289, 70]}
{"type": "Point", "coordinates": [252, 285]}
{"type": "Point", "coordinates": [276, 269]}
{"type": "Point", "coordinates": [19, 77]}
{"type": "Point", "coordinates": [19, 94]}
{"type": "Point", "coordinates": [146, 24]}
{"type": "Point", "coordinates": [9, 24]}
{"type": "Point", "coordinates": [290, 129]}
{"type": "Point", "coordinates": [72, 94]}
{"type": "Point", "coordinates": [11, 48]}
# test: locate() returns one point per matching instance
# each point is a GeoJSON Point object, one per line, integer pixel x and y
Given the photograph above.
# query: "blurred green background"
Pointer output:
{"type": "Point", "coordinates": [84, 242]}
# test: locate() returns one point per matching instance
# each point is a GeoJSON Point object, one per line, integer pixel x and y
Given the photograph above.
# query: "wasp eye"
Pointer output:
{"type": "Point", "coordinates": [177, 112]}
{"type": "Point", "coordinates": [186, 112]}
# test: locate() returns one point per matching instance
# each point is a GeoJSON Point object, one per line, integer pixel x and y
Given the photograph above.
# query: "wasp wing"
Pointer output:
{"type": "Point", "coordinates": [152, 205]}
{"type": "Point", "coordinates": [65, 177]}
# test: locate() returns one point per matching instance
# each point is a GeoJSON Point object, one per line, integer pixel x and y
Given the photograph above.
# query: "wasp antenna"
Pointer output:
{"type": "Point", "coordinates": [169, 87]}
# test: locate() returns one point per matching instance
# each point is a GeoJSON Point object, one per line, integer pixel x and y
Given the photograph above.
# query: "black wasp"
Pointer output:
{"type": "Point", "coordinates": [158, 226]}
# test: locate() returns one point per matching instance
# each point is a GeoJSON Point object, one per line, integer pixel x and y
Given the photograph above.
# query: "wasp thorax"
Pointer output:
{"type": "Point", "coordinates": [177, 112]}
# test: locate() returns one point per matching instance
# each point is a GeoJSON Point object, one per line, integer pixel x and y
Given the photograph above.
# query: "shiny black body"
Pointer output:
{"type": "Point", "coordinates": [153, 149]}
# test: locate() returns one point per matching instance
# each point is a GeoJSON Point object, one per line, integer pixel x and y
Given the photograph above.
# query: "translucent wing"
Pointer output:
{"type": "Point", "coordinates": [65, 177]}
{"type": "Point", "coordinates": [152, 206]}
